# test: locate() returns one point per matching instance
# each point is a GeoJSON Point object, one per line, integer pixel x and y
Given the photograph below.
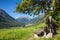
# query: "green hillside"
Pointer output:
{"type": "Point", "coordinates": [19, 33]}
{"type": "Point", "coordinates": [7, 21]}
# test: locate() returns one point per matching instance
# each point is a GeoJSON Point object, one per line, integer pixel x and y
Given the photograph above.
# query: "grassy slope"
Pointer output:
{"type": "Point", "coordinates": [23, 33]}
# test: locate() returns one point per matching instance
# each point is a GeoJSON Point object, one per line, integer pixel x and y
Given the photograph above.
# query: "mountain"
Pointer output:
{"type": "Point", "coordinates": [23, 19]}
{"type": "Point", "coordinates": [6, 20]}
{"type": "Point", "coordinates": [35, 20]}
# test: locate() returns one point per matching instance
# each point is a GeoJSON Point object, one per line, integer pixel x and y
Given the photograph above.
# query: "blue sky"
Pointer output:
{"type": "Point", "coordinates": [9, 7]}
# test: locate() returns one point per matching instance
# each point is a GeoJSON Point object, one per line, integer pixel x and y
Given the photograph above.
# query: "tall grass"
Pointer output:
{"type": "Point", "coordinates": [19, 33]}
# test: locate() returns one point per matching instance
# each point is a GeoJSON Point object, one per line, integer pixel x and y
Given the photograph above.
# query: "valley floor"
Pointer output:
{"type": "Point", "coordinates": [19, 33]}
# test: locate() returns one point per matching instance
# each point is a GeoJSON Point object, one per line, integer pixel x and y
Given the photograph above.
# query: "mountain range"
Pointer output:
{"type": "Point", "coordinates": [35, 20]}
{"type": "Point", "coordinates": [23, 19]}
{"type": "Point", "coordinates": [7, 21]}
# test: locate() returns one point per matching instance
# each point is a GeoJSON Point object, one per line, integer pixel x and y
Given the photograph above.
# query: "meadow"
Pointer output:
{"type": "Point", "coordinates": [20, 33]}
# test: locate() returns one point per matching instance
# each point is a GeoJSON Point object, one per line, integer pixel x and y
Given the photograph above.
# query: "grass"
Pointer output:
{"type": "Point", "coordinates": [19, 33]}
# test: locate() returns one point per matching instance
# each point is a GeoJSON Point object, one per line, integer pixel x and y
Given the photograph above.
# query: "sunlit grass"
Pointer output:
{"type": "Point", "coordinates": [19, 33]}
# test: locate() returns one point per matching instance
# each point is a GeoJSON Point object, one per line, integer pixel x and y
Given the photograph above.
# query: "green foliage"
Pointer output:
{"type": "Point", "coordinates": [32, 6]}
{"type": "Point", "coordinates": [56, 14]}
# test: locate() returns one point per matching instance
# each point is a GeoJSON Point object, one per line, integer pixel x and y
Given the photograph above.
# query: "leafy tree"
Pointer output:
{"type": "Point", "coordinates": [35, 6]}
{"type": "Point", "coordinates": [56, 13]}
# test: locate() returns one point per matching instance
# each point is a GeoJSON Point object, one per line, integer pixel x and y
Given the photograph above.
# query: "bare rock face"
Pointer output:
{"type": "Point", "coordinates": [44, 33]}
{"type": "Point", "coordinates": [39, 32]}
{"type": "Point", "coordinates": [35, 35]}
{"type": "Point", "coordinates": [49, 35]}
